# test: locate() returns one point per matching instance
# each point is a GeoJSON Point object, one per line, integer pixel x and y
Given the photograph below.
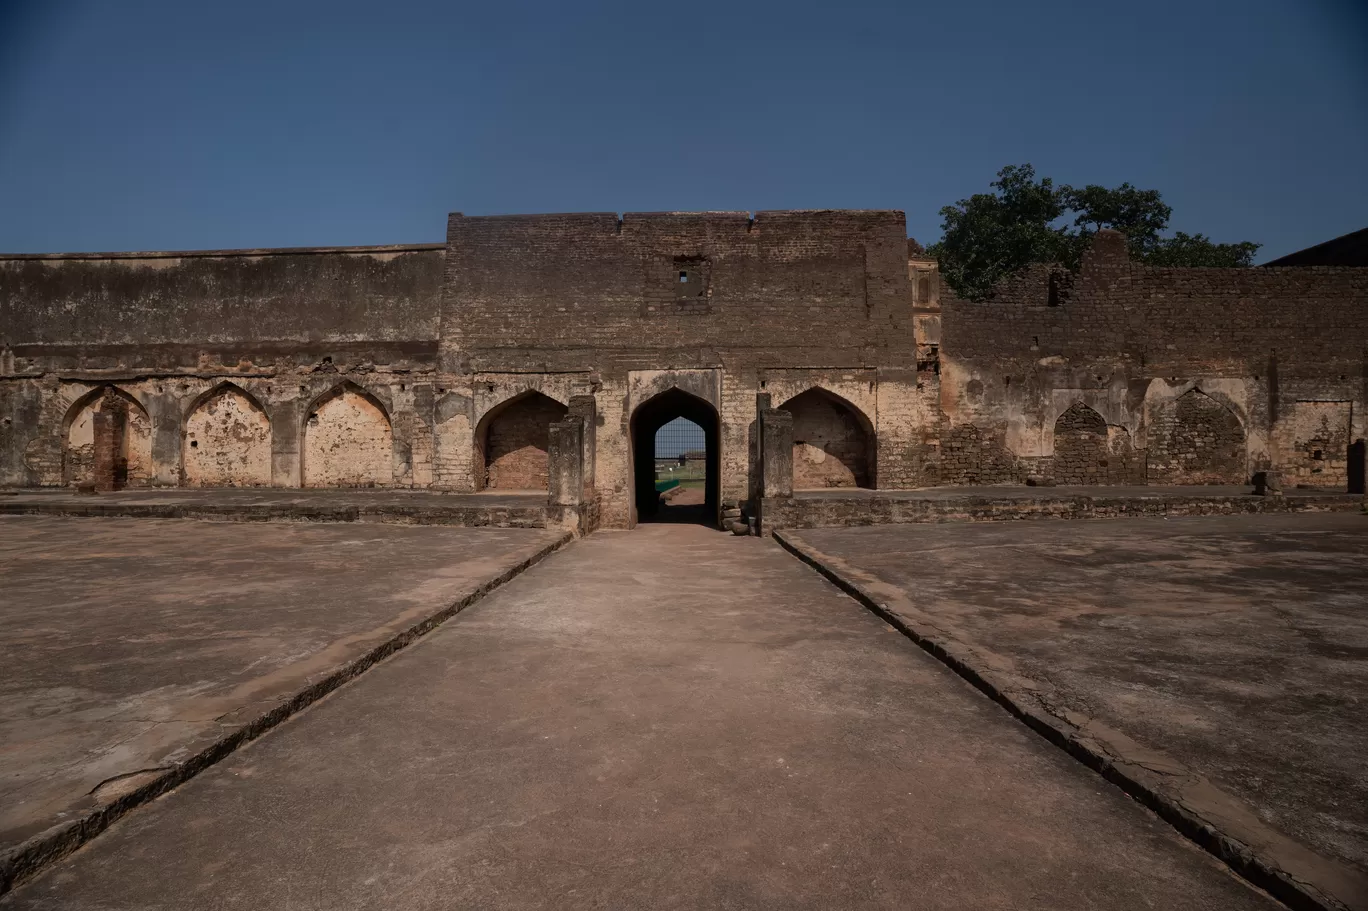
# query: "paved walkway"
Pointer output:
{"type": "Point", "coordinates": [664, 718]}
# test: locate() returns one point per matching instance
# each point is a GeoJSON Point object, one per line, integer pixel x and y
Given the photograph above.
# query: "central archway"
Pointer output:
{"type": "Point", "coordinates": [647, 419]}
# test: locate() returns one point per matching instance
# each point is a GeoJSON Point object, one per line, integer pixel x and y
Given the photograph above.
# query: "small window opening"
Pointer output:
{"type": "Point", "coordinates": [1318, 454]}
{"type": "Point", "coordinates": [194, 444]}
{"type": "Point", "coordinates": [683, 277]}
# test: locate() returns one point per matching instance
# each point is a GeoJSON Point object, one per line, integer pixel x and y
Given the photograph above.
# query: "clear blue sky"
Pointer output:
{"type": "Point", "coordinates": [181, 125]}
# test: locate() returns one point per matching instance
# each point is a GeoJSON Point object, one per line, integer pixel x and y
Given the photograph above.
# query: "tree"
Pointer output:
{"type": "Point", "coordinates": [991, 235]}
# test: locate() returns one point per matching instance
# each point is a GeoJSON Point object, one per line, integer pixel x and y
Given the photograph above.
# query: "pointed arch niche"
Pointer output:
{"type": "Point", "coordinates": [1197, 440]}
{"type": "Point", "coordinates": [348, 440]}
{"type": "Point", "coordinates": [833, 442]}
{"type": "Point", "coordinates": [133, 445]}
{"type": "Point", "coordinates": [227, 440]}
{"type": "Point", "coordinates": [512, 440]}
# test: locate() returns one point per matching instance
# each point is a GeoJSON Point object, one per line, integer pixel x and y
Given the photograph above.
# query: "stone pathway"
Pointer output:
{"type": "Point", "coordinates": [663, 718]}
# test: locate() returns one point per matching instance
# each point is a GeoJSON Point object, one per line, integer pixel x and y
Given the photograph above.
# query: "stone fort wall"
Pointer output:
{"type": "Point", "coordinates": [1190, 375]}
{"type": "Point", "coordinates": [440, 366]}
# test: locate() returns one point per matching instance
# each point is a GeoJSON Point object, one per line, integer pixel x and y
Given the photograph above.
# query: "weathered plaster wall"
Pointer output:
{"type": "Point", "coordinates": [348, 442]}
{"type": "Point", "coordinates": [286, 326]}
{"type": "Point", "coordinates": [227, 441]}
{"type": "Point", "coordinates": [1129, 342]}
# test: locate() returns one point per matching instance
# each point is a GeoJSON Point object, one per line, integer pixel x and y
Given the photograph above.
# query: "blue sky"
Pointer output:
{"type": "Point", "coordinates": [176, 125]}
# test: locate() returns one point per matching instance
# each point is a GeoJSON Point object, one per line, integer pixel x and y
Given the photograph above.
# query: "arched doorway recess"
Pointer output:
{"type": "Point", "coordinates": [512, 442]}
{"type": "Point", "coordinates": [648, 418]}
{"type": "Point", "coordinates": [833, 442]}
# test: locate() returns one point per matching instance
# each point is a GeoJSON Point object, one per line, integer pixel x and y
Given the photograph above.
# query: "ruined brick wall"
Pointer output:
{"type": "Point", "coordinates": [1087, 451]}
{"type": "Point", "coordinates": [718, 304]}
{"type": "Point", "coordinates": [1197, 440]}
{"type": "Point", "coordinates": [164, 329]}
{"type": "Point", "coordinates": [130, 454]}
{"type": "Point", "coordinates": [1128, 340]}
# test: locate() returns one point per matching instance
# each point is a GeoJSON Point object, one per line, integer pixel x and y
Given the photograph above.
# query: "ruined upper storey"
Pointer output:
{"type": "Point", "coordinates": [803, 287]}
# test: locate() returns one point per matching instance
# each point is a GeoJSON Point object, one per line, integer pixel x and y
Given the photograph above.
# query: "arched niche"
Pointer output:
{"type": "Point", "coordinates": [227, 440]}
{"type": "Point", "coordinates": [132, 444]}
{"type": "Point", "coordinates": [1196, 439]}
{"type": "Point", "coordinates": [1088, 451]}
{"type": "Point", "coordinates": [348, 440]}
{"type": "Point", "coordinates": [833, 442]}
{"type": "Point", "coordinates": [512, 441]}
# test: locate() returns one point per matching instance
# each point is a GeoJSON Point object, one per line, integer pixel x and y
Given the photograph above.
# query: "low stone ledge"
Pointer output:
{"type": "Point", "coordinates": [908, 508]}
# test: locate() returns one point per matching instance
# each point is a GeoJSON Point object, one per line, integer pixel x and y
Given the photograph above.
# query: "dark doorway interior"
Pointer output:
{"type": "Point", "coordinates": [647, 421]}
{"type": "Point", "coordinates": [1358, 465]}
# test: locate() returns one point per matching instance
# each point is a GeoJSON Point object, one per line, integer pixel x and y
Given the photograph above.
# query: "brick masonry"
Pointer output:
{"type": "Point", "coordinates": [390, 366]}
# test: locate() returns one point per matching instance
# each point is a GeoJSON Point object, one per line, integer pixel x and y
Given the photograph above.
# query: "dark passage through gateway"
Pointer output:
{"type": "Point", "coordinates": [676, 453]}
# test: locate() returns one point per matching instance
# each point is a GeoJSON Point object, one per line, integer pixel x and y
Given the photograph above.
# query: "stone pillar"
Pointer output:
{"type": "Point", "coordinates": [565, 456]}
{"type": "Point", "coordinates": [776, 453]}
{"type": "Point", "coordinates": [586, 408]}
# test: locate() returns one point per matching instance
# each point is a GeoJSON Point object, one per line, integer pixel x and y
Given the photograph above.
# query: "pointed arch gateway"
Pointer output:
{"type": "Point", "coordinates": [348, 440]}
{"type": "Point", "coordinates": [512, 442]}
{"type": "Point", "coordinates": [646, 420]}
{"type": "Point", "coordinates": [132, 444]}
{"type": "Point", "coordinates": [226, 440]}
{"type": "Point", "coordinates": [833, 442]}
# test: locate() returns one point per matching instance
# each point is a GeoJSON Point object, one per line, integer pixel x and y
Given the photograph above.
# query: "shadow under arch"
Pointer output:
{"type": "Point", "coordinates": [853, 442]}
{"type": "Point", "coordinates": [649, 417]}
{"type": "Point", "coordinates": [525, 417]}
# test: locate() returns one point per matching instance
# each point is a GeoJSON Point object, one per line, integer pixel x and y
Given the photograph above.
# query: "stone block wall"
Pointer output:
{"type": "Point", "coordinates": [238, 368]}
{"type": "Point", "coordinates": [443, 366]}
{"type": "Point", "coordinates": [1199, 375]}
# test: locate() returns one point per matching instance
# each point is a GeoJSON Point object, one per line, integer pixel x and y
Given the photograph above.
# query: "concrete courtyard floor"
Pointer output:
{"type": "Point", "coordinates": [131, 645]}
{"type": "Point", "coordinates": [664, 718]}
{"type": "Point", "coordinates": [1236, 647]}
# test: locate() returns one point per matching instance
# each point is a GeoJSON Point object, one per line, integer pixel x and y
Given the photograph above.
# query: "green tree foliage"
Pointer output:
{"type": "Point", "coordinates": [1028, 220]}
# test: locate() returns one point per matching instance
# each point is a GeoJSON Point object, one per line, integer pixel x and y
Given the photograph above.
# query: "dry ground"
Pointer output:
{"type": "Point", "coordinates": [665, 718]}
{"type": "Point", "coordinates": [131, 644]}
{"type": "Point", "coordinates": [1237, 645]}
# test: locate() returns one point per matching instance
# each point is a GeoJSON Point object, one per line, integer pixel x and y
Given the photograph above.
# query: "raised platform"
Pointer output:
{"type": "Point", "coordinates": [500, 509]}
{"type": "Point", "coordinates": [853, 506]}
